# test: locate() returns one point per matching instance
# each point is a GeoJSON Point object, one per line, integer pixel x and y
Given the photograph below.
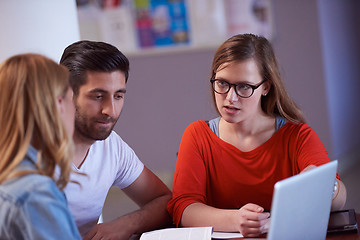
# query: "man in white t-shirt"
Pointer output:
{"type": "Point", "coordinates": [98, 76]}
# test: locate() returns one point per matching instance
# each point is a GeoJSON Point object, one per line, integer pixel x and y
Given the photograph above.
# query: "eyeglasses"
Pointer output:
{"type": "Point", "coordinates": [242, 89]}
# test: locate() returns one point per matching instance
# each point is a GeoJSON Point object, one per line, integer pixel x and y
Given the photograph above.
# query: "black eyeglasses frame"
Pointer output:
{"type": "Point", "coordinates": [235, 85]}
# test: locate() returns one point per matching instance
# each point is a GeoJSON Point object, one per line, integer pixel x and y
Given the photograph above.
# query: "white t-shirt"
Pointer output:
{"type": "Point", "coordinates": [110, 162]}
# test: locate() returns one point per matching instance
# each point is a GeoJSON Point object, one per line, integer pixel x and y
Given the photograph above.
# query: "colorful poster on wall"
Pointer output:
{"type": "Point", "coordinates": [161, 22]}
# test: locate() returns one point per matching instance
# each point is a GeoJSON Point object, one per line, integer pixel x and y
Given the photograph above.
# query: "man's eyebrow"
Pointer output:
{"type": "Point", "coordinates": [122, 90]}
{"type": "Point", "coordinates": [99, 90]}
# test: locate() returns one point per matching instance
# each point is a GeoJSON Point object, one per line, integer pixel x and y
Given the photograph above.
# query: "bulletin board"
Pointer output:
{"type": "Point", "coordinates": [151, 26]}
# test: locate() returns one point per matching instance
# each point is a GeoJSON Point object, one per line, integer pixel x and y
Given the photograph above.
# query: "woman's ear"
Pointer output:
{"type": "Point", "coordinates": [266, 87]}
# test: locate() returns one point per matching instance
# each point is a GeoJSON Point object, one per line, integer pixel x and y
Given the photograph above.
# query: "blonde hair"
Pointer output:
{"type": "Point", "coordinates": [249, 46]}
{"type": "Point", "coordinates": [29, 87]}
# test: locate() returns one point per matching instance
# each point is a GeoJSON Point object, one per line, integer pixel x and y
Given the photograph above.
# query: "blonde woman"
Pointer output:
{"type": "Point", "coordinates": [36, 125]}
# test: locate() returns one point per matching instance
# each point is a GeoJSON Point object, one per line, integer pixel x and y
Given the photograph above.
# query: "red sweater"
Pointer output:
{"type": "Point", "coordinates": [214, 172]}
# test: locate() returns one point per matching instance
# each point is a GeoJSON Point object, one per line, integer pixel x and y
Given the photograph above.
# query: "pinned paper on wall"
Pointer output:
{"type": "Point", "coordinates": [249, 16]}
{"type": "Point", "coordinates": [208, 22]}
{"type": "Point", "coordinates": [117, 28]}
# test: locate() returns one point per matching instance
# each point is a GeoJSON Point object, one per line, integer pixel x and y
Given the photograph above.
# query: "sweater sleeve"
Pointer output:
{"type": "Point", "coordinates": [189, 183]}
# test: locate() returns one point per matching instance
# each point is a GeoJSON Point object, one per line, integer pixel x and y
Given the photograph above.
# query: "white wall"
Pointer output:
{"type": "Point", "coordinates": [38, 26]}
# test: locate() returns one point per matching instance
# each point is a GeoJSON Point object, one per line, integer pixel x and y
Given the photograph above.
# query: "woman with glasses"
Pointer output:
{"type": "Point", "coordinates": [36, 124]}
{"type": "Point", "coordinates": [227, 167]}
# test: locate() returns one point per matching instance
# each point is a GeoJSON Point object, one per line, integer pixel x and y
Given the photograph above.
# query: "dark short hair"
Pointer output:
{"type": "Point", "coordinates": [84, 56]}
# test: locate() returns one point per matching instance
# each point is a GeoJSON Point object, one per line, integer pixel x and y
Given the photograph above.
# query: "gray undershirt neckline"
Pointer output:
{"type": "Point", "coordinates": [214, 124]}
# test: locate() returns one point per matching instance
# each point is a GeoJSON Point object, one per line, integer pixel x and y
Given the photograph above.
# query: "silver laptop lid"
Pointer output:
{"type": "Point", "coordinates": [301, 204]}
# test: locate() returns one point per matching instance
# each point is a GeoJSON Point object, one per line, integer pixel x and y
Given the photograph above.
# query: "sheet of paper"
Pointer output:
{"type": "Point", "coordinates": [225, 235]}
{"type": "Point", "coordinates": [195, 233]}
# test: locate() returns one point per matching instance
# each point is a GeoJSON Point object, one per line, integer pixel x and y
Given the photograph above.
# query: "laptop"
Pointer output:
{"type": "Point", "coordinates": [301, 204]}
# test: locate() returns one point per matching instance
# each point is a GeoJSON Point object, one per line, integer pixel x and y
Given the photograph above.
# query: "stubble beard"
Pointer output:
{"type": "Point", "coordinates": [86, 127]}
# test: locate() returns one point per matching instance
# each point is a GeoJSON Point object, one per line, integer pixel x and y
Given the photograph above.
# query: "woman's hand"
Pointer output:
{"type": "Point", "coordinates": [252, 220]}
